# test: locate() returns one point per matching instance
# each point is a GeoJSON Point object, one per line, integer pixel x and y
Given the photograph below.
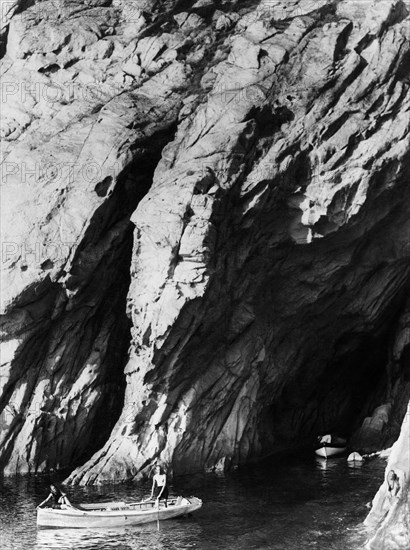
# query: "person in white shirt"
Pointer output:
{"type": "Point", "coordinates": [159, 486]}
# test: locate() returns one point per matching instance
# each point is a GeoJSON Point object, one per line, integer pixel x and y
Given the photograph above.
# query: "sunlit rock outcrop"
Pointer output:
{"type": "Point", "coordinates": [255, 159]}
{"type": "Point", "coordinates": [81, 136]}
{"type": "Point", "coordinates": [389, 517]}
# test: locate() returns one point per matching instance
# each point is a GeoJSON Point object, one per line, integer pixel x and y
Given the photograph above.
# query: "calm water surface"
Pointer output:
{"type": "Point", "coordinates": [281, 504]}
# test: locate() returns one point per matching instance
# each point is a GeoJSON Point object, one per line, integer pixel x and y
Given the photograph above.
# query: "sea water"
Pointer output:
{"type": "Point", "coordinates": [280, 504]}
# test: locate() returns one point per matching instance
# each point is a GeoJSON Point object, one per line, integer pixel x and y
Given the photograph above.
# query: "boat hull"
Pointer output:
{"type": "Point", "coordinates": [118, 517]}
{"type": "Point", "coordinates": [327, 451]}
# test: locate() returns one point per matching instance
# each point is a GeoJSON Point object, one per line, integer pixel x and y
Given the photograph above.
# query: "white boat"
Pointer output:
{"type": "Point", "coordinates": [115, 514]}
{"type": "Point", "coordinates": [330, 445]}
{"type": "Point", "coordinates": [327, 450]}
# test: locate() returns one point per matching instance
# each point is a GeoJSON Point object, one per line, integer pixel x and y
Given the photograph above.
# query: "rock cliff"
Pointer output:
{"type": "Point", "coordinates": [389, 517]}
{"type": "Point", "coordinates": [205, 231]}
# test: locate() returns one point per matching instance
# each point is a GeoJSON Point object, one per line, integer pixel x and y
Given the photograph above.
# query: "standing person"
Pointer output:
{"type": "Point", "coordinates": [159, 486]}
{"type": "Point", "coordinates": [57, 498]}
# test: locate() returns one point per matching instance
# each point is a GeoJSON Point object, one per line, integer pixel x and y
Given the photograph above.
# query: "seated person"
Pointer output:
{"type": "Point", "coordinates": [57, 497]}
{"type": "Point", "coordinates": [393, 484]}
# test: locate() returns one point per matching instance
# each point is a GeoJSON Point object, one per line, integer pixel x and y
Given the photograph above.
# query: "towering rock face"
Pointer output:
{"type": "Point", "coordinates": [389, 516]}
{"type": "Point", "coordinates": [259, 156]}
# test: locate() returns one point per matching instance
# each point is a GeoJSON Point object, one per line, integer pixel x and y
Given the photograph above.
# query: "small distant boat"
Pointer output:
{"type": "Point", "coordinates": [115, 514]}
{"type": "Point", "coordinates": [330, 445]}
{"type": "Point", "coordinates": [355, 457]}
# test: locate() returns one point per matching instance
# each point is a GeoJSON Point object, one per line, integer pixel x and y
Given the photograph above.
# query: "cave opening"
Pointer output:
{"type": "Point", "coordinates": [357, 380]}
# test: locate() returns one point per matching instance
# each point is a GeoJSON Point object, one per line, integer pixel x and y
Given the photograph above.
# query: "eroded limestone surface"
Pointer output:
{"type": "Point", "coordinates": [260, 156]}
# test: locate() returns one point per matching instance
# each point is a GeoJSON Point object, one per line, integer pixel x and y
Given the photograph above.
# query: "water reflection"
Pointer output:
{"type": "Point", "coordinates": [74, 538]}
{"type": "Point", "coordinates": [327, 464]}
{"type": "Point", "coordinates": [171, 536]}
{"type": "Point", "coordinates": [355, 464]}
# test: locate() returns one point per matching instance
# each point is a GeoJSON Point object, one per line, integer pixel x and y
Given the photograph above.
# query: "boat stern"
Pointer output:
{"type": "Point", "coordinates": [195, 503]}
